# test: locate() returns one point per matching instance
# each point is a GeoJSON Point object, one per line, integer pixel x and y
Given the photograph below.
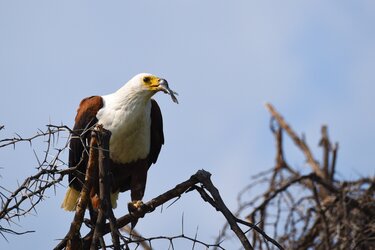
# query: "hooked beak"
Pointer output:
{"type": "Point", "coordinates": [163, 86]}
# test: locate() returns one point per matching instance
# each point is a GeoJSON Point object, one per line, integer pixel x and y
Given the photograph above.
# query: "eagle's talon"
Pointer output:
{"type": "Point", "coordinates": [135, 206]}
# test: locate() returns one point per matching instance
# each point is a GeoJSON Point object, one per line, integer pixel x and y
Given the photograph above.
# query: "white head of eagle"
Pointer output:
{"type": "Point", "coordinates": [135, 122]}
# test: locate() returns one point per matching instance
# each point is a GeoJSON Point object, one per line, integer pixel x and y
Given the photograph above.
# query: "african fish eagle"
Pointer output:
{"type": "Point", "coordinates": [135, 122]}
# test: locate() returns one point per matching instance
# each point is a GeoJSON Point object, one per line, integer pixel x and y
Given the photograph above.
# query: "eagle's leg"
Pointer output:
{"type": "Point", "coordinates": [137, 189]}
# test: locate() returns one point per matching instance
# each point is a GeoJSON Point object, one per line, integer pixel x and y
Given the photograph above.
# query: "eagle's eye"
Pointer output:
{"type": "Point", "coordinates": [147, 79]}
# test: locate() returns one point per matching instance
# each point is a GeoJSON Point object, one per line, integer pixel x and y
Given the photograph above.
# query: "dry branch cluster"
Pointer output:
{"type": "Point", "coordinates": [23, 200]}
{"type": "Point", "coordinates": [51, 171]}
{"type": "Point", "coordinates": [98, 156]}
{"type": "Point", "coordinates": [311, 211]}
{"type": "Point", "coordinates": [293, 210]}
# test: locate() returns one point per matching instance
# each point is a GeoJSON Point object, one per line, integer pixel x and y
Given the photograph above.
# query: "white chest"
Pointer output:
{"type": "Point", "coordinates": [130, 127]}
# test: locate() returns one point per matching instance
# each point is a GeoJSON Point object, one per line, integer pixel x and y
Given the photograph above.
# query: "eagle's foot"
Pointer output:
{"type": "Point", "coordinates": [135, 207]}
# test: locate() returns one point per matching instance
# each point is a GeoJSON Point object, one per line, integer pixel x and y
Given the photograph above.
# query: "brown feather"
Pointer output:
{"type": "Point", "coordinates": [78, 154]}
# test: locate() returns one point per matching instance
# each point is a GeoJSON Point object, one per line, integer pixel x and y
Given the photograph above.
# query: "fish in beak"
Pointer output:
{"type": "Point", "coordinates": [163, 86]}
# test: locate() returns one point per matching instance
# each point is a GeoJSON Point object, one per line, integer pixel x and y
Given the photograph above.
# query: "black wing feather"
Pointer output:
{"type": "Point", "coordinates": [157, 135]}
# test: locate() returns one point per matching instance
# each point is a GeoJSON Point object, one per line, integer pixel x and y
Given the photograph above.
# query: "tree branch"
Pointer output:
{"type": "Point", "coordinates": [299, 142]}
{"type": "Point", "coordinates": [72, 238]}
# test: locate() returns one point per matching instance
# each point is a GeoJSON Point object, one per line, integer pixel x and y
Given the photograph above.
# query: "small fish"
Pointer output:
{"type": "Point", "coordinates": [165, 88]}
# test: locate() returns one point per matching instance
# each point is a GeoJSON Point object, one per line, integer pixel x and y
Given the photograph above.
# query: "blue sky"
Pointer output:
{"type": "Point", "coordinates": [314, 60]}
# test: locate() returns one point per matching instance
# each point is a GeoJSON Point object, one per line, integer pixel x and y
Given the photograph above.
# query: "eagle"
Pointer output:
{"type": "Point", "coordinates": [136, 125]}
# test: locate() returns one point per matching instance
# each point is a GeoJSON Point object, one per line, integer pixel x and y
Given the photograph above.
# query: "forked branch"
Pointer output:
{"type": "Point", "coordinates": [94, 238]}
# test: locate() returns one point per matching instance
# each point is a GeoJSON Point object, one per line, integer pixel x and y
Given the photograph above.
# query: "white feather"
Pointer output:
{"type": "Point", "coordinates": [126, 113]}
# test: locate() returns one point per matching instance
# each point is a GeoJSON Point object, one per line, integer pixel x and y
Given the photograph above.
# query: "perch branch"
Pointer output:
{"type": "Point", "coordinates": [71, 240]}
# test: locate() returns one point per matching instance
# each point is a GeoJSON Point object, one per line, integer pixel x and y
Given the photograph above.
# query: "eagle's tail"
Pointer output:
{"type": "Point", "coordinates": [70, 200]}
{"type": "Point", "coordinates": [114, 197]}
{"type": "Point", "coordinates": [72, 195]}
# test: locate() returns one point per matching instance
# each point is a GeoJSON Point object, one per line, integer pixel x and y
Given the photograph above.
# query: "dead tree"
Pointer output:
{"type": "Point", "coordinates": [98, 155]}
{"type": "Point", "coordinates": [308, 211]}
{"type": "Point", "coordinates": [297, 210]}
{"type": "Point", "coordinates": [103, 222]}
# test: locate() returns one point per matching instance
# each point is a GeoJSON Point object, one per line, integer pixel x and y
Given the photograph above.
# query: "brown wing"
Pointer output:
{"type": "Point", "coordinates": [78, 154]}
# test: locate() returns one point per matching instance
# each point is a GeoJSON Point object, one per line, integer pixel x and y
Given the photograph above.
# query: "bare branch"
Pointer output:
{"type": "Point", "coordinates": [313, 210]}
{"type": "Point", "coordinates": [23, 200]}
{"type": "Point", "coordinates": [73, 235]}
{"type": "Point", "coordinates": [298, 141]}
{"type": "Point", "coordinates": [300, 211]}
